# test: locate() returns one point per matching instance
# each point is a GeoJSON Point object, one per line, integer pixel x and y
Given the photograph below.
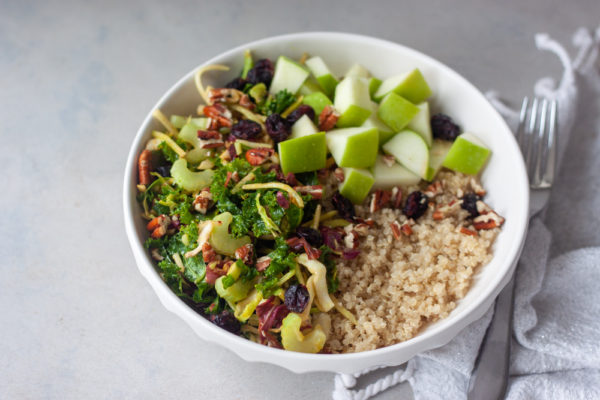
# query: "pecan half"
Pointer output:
{"type": "Point", "coordinates": [202, 201]}
{"type": "Point", "coordinates": [218, 113]}
{"type": "Point", "coordinates": [316, 191]}
{"type": "Point", "coordinates": [263, 263]}
{"type": "Point", "coordinates": [224, 95]}
{"type": "Point", "coordinates": [258, 156]}
{"type": "Point", "coordinates": [396, 229]}
{"type": "Point", "coordinates": [245, 253]}
{"type": "Point", "coordinates": [328, 118]}
{"type": "Point", "coordinates": [208, 253]}
{"type": "Point", "coordinates": [144, 167]}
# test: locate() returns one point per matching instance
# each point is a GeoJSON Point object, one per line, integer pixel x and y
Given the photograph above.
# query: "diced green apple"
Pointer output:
{"type": "Point", "coordinates": [189, 180]}
{"type": "Point", "coordinates": [386, 177]}
{"type": "Point", "coordinates": [437, 154]}
{"type": "Point", "coordinates": [304, 126]}
{"type": "Point", "coordinates": [356, 185]}
{"type": "Point", "coordinates": [421, 123]}
{"type": "Point", "coordinates": [304, 153]}
{"type": "Point", "coordinates": [410, 150]}
{"type": "Point", "coordinates": [468, 154]}
{"type": "Point", "coordinates": [310, 86]}
{"type": "Point", "coordinates": [396, 112]}
{"type": "Point", "coordinates": [353, 147]}
{"type": "Point", "coordinates": [374, 85]}
{"type": "Point", "coordinates": [385, 132]}
{"type": "Point", "coordinates": [318, 101]}
{"type": "Point", "coordinates": [352, 101]}
{"type": "Point", "coordinates": [412, 86]}
{"type": "Point", "coordinates": [357, 71]}
{"type": "Point", "coordinates": [288, 75]}
{"type": "Point", "coordinates": [324, 76]}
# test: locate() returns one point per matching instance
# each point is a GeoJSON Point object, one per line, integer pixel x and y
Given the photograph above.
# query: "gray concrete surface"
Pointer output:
{"type": "Point", "coordinates": [76, 80]}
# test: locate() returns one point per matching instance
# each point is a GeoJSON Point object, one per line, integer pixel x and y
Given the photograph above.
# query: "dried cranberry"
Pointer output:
{"type": "Point", "coordinates": [416, 205]}
{"type": "Point", "coordinates": [246, 129]}
{"type": "Point", "coordinates": [164, 171]}
{"type": "Point", "coordinates": [237, 83]}
{"type": "Point", "coordinates": [296, 298]}
{"type": "Point", "coordinates": [312, 236]}
{"type": "Point", "coordinates": [444, 128]}
{"type": "Point", "coordinates": [261, 72]}
{"type": "Point", "coordinates": [227, 321]}
{"type": "Point", "coordinates": [469, 203]}
{"type": "Point", "coordinates": [299, 112]}
{"type": "Point", "coordinates": [343, 206]}
{"type": "Point", "coordinates": [277, 128]}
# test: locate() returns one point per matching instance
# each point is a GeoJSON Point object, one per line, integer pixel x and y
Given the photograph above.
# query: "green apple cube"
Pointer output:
{"type": "Point", "coordinates": [353, 147]}
{"type": "Point", "coordinates": [352, 101]}
{"type": "Point", "coordinates": [357, 71]}
{"type": "Point", "coordinates": [357, 184]}
{"type": "Point", "coordinates": [396, 112]}
{"type": "Point", "coordinates": [303, 127]}
{"type": "Point", "coordinates": [320, 70]}
{"type": "Point", "coordinates": [318, 101]}
{"type": "Point", "coordinates": [386, 177]}
{"type": "Point", "coordinates": [437, 155]}
{"type": "Point", "coordinates": [410, 150]}
{"type": "Point", "coordinates": [303, 153]}
{"type": "Point", "coordinates": [288, 75]}
{"type": "Point", "coordinates": [310, 86]}
{"type": "Point", "coordinates": [468, 154]}
{"type": "Point", "coordinates": [374, 85]}
{"type": "Point", "coordinates": [190, 181]}
{"type": "Point", "coordinates": [189, 134]}
{"type": "Point", "coordinates": [385, 132]}
{"type": "Point", "coordinates": [421, 123]}
{"type": "Point", "coordinates": [412, 86]}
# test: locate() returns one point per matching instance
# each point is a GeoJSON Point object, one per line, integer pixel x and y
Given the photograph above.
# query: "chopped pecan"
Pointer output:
{"type": "Point", "coordinates": [245, 253]}
{"type": "Point", "coordinates": [208, 253]}
{"type": "Point", "coordinates": [477, 188]}
{"type": "Point", "coordinates": [468, 231]}
{"type": "Point", "coordinates": [396, 196]}
{"type": "Point", "coordinates": [316, 191]}
{"type": "Point", "coordinates": [379, 199]}
{"type": "Point", "coordinates": [258, 156]}
{"type": "Point", "coordinates": [246, 102]}
{"type": "Point", "coordinates": [220, 114]}
{"type": "Point", "coordinates": [263, 263]}
{"type": "Point", "coordinates": [158, 226]}
{"type": "Point", "coordinates": [406, 229]}
{"type": "Point", "coordinates": [290, 178]}
{"type": "Point", "coordinates": [434, 189]}
{"type": "Point", "coordinates": [202, 201]}
{"type": "Point", "coordinates": [224, 95]}
{"type": "Point", "coordinates": [156, 255]}
{"type": "Point", "coordinates": [208, 135]}
{"type": "Point", "coordinates": [361, 229]}
{"type": "Point", "coordinates": [351, 240]}
{"type": "Point", "coordinates": [339, 174]}
{"type": "Point", "coordinates": [213, 272]}
{"type": "Point", "coordinates": [144, 167]}
{"type": "Point", "coordinates": [444, 211]}
{"type": "Point", "coordinates": [396, 229]}
{"type": "Point", "coordinates": [235, 176]}
{"type": "Point", "coordinates": [389, 160]}
{"type": "Point", "coordinates": [328, 118]}
{"type": "Point", "coordinates": [213, 145]}
{"type": "Point", "coordinates": [489, 220]}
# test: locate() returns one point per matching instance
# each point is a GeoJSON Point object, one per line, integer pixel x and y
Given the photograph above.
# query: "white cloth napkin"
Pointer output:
{"type": "Point", "coordinates": [556, 326]}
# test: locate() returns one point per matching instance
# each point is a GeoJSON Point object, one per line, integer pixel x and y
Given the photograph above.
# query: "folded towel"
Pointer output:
{"type": "Point", "coordinates": [556, 325]}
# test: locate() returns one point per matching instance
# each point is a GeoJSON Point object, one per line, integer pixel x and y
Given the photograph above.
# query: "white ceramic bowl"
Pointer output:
{"type": "Point", "coordinates": [504, 178]}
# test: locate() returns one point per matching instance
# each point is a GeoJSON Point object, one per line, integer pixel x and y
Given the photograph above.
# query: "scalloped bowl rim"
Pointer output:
{"type": "Point", "coordinates": [440, 332]}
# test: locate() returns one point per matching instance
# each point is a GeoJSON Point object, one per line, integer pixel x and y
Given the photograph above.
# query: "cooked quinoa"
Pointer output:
{"type": "Point", "coordinates": [400, 283]}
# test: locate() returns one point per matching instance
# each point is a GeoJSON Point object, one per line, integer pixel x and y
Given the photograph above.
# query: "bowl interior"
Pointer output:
{"type": "Point", "coordinates": [504, 179]}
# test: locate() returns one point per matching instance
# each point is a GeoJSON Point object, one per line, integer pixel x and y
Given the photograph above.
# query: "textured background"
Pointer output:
{"type": "Point", "coordinates": [76, 79]}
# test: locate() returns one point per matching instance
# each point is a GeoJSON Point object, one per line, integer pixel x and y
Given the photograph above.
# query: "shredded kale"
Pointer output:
{"type": "Point", "coordinates": [277, 104]}
{"type": "Point", "coordinates": [167, 152]}
{"type": "Point", "coordinates": [282, 261]}
{"type": "Point", "coordinates": [327, 259]}
{"type": "Point", "coordinates": [227, 281]}
{"type": "Point", "coordinates": [195, 269]}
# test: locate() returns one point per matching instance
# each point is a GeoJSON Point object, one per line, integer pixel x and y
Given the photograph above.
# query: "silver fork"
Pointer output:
{"type": "Point", "coordinates": [537, 138]}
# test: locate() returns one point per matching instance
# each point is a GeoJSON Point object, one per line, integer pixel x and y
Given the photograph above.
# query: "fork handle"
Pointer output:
{"type": "Point", "coordinates": [490, 376]}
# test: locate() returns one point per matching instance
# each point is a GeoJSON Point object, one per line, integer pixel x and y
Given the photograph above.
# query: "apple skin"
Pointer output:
{"type": "Point", "coordinates": [385, 132]}
{"type": "Point", "coordinates": [318, 101]}
{"type": "Point", "coordinates": [357, 184]}
{"type": "Point", "coordinates": [421, 123]}
{"type": "Point", "coordinates": [374, 84]}
{"type": "Point", "coordinates": [396, 112]}
{"type": "Point", "coordinates": [304, 153]}
{"type": "Point", "coordinates": [328, 83]}
{"type": "Point", "coordinates": [387, 177]}
{"type": "Point", "coordinates": [289, 75]}
{"type": "Point", "coordinates": [353, 147]}
{"type": "Point", "coordinates": [352, 101]}
{"type": "Point", "coordinates": [303, 127]}
{"type": "Point", "coordinates": [467, 155]}
{"type": "Point", "coordinates": [412, 86]}
{"type": "Point", "coordinates": [410, 150]}
{"type": "Point", "coordinates": [310, 86]}
{"type": "Point", "coordinates": [324, 76]}
{"type": "Point", "coordinates": [437, 155]}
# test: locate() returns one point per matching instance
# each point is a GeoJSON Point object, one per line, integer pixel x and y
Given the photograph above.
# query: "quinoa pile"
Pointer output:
{"type": "Point", "coordinates": [403, 280]}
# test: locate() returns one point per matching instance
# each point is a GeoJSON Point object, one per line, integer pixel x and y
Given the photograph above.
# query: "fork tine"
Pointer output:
{"type": "Point", "coordinates": [529, 136]}
{"type": "Point", "coordinates": [548, 175]}
{"type": "Point", "coordinates": [541, 148]}
{"type": "Point", "coordinates": [521, 129]}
